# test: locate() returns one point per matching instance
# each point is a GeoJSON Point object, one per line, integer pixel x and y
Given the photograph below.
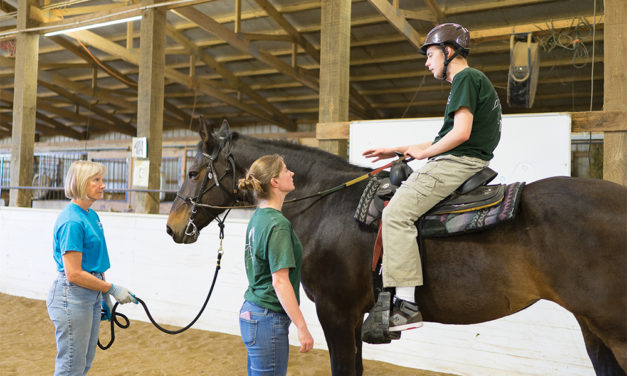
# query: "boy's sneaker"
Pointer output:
{"type": "Point", "coordinates": [404, 316]}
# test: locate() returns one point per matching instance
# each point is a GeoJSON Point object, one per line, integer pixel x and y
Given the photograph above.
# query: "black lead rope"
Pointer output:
{"type": "Point", "coordinates": [127, 323]}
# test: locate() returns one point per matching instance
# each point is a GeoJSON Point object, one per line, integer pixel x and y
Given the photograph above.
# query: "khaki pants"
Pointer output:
{"type": "Point", "coordinates": [424, 188]}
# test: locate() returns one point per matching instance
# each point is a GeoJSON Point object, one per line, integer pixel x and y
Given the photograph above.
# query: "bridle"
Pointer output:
{"type": "Point", "coordinates": [224, 143]}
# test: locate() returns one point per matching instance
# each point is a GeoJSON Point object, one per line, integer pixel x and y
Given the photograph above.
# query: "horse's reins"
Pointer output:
{"type": "Point", "coordinates": [317, 194]}
{"type": "Point", "coordinates": [114, 314]}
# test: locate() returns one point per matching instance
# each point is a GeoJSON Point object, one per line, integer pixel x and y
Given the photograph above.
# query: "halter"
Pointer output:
{"type": "Point", "coordinates": [224, 143]}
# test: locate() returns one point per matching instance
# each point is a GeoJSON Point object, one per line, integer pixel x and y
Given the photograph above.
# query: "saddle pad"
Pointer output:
{"type": "Point", "coordinates": [447, 224]}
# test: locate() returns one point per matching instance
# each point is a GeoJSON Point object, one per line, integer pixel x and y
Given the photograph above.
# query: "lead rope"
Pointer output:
{"type": "Point", "coordinates": [114, 314]}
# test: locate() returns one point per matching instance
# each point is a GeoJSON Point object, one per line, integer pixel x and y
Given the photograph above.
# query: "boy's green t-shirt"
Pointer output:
{"type": "Point", "coordinates": [271, 244]}
{"type": "Point", "coordinates": [472, 89]}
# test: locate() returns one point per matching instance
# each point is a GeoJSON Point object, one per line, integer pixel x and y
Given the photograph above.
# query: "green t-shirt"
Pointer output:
{"type": "Point", "coordinates": [271, 244]}
{"type": "Point", "coordinates": [472, 89]}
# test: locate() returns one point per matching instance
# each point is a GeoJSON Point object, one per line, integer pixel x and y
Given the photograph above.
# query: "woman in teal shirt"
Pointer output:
{"type": "Point", "coordinates": [81, 257]}
{"type": "Point", "coordinates": [273, 257]}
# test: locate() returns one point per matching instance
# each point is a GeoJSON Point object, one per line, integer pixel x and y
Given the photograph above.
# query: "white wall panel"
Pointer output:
{"type": "Point", "coordinates": [174, 279]}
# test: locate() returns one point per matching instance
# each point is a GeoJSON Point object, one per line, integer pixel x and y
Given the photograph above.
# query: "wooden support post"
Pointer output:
{"type": "Point", "coordinates": [24, 105]}
{"type": "Point", "coordinates": [238, 16]}
{"type": "Point", "coordinates": [129, 35]}
{"type": "Point", "coordinates": [335, 42]}
{"type": "Point", "coordinates": [150, 100]}
{"type": "Point", "coordinates": [615, 89]}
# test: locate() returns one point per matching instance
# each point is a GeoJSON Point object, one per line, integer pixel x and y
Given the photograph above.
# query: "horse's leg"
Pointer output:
{"type": "Point", "coordinates": [603, 359]}
{"type": "Point", "coordinates": [359, 365]}
{"type": "Point", "coordinates": [341, 331]}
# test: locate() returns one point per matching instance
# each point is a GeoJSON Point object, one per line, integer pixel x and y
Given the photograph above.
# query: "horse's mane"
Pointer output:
{"type": "Point", "coordinates": [298, 152]}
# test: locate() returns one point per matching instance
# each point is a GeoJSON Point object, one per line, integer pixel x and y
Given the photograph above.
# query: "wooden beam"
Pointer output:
{"type": "Point", "coordinates": [101, 96]}
{"type": "Point", "coordinates": [435, 8]}
{"type": "Point", "coordinates": [598, 121]}
{"type": "Point", "coordinates": [212, 26]}
{"type": "Point", "coordinates": [333, 130]}
{"type": "Point", "coordinates": [615, 89]}
{"type": "Point", "coordinates": [497, 4]}
{"type": "Point", "coordinates": [529, 27]}
{"type": "Point", "coordinates": [396, 18]}
{"type": "Point", "coordinates": [85, 120]}
{"type": "Point", "coordinates": [281, 119]}
{"type": "Point", "coordinates": [259, 36]}
{"type": "Point", "coordinates": [359, 100]}
{"type": "Point", "coordinates": [150, 97]}
{"type": "Point", "coordinates": [132, 57]}
{"type": "Point", "coordinates": [119, 125]}
{"type": "Point", "coordinates": [287, 26]}
{"type": "Point", "coordinates": [59, 128]}
{"type": "Point", "coordinates": [334, 69]}
{"type": "Point", "coordinates": [24, 106]}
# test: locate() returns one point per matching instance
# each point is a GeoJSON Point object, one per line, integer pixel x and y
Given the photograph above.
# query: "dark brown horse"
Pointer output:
{"type": "Point", "coordinates": [568, 244]}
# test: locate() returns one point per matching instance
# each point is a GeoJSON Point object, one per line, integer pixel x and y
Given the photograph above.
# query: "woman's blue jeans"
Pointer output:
{"type": "Point", "coordinates": [265, 334]}
{"type": "Point", "coordinates": [75, 313]}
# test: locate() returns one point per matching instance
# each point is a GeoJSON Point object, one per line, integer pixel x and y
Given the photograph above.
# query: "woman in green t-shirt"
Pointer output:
{"type": "Point", "coordinates": [272, 257]}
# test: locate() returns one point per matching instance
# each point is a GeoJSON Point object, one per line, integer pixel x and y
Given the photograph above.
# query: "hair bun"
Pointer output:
{"type": "Point", "coordinates": [249, 183]}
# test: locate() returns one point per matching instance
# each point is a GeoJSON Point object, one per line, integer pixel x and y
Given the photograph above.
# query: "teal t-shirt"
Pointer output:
{"type": "Point", "coordinates": [271, 244]}
{"type": "Point", "coordinates": [472, 89]}
{"type": "Point", "coordinates": [79, 230]}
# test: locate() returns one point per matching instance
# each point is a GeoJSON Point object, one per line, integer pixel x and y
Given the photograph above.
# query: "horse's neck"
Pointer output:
{"type": "Point", "coordinates": [312, 175]}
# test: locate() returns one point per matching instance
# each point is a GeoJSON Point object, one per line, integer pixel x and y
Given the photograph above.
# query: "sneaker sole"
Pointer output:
{"type": "Point", "coordinates": [399, 328]}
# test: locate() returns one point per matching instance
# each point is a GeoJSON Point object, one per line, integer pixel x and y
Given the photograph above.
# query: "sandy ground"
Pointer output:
{"type": "Point", "coordinates": [27, 347]}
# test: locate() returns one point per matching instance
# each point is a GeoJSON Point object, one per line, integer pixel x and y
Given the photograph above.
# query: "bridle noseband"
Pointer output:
{"type": "Point", "coordinates": [224, 144]}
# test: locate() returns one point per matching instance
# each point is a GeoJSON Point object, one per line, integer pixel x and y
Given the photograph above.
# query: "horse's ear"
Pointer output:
{"type": "Point", "coordinates": [205, 128]}
{"type": "Point", "coordinates": [224, 128]}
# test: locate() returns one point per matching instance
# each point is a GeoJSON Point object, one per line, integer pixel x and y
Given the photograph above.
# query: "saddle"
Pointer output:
{"type": "Point", "coordinates": [474, 206]}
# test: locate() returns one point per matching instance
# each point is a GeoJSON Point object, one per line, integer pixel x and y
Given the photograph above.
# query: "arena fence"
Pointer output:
{"type": "Point", "coordinates": [50, 168]}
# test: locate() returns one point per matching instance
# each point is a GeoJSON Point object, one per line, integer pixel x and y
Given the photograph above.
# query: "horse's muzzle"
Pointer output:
{"type": "Point", "coordinates": [181, 237]}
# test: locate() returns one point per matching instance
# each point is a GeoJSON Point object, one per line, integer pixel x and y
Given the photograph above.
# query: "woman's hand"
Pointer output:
{"type": "Point", "coordinates": [305, 339]}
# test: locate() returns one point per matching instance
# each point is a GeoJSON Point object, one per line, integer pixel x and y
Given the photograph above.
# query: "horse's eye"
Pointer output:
{"type": "Point", "coordinates": [192, 174]}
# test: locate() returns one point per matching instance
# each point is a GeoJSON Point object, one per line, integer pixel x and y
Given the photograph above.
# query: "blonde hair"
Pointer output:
{"type": "Point", "coordinates": [78, 175]}
{"type": "Point", "coordinates": [260, 173]}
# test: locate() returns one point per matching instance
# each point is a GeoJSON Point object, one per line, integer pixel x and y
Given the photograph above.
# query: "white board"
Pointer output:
{"type": "Point", "coordinates": [532, 147]}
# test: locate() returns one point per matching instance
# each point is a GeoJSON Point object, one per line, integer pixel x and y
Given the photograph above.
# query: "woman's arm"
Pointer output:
{"type": "Point", "coordinates": [285, 293]}
{"type": "Point", "coordinates": [72, 262]}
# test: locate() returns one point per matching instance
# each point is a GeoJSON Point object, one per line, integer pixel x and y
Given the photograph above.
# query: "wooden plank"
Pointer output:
{"type": "Point", "coordinates": [615, 88]}
{"type": "Point", "coordinates": [24, 106]}
{"type": "Point", "coordinates": [598, 121]}
{"type": "Point", "coordinates": [396, 18]}
{"type": "Point", "coordinates": [339, 130]}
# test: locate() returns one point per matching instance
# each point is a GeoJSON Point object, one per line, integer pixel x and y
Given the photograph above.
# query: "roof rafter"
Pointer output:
{"type": "Point", "coordinates": [312, 51]}
{"type": "Point", "coordinates": [230, 77]}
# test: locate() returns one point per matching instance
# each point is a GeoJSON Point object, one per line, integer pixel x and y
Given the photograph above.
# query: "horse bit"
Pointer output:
{"type": "Point", "coordinates": [225, 143]}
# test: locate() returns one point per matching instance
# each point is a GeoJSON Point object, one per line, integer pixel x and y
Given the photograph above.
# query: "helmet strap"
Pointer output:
{"type": "Point", "coordinates": [447, 60]}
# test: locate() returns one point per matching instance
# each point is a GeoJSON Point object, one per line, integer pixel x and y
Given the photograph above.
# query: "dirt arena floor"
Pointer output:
{"type": "Point", "coordinates": [27, 347]}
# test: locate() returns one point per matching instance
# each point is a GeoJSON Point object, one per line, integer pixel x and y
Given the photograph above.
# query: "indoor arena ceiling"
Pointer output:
{"type": "Point", "coordinates": [235, 52]}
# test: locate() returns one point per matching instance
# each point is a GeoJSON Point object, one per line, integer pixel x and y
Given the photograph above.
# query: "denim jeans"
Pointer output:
{"type": "Point", "coordinates": [265, 334]}
{"type": "Point", "coordinates": [75, 313]}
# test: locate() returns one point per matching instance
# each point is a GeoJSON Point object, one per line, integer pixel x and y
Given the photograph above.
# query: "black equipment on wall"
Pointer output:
{"type": "Point", "coordinates": [523, 71]}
